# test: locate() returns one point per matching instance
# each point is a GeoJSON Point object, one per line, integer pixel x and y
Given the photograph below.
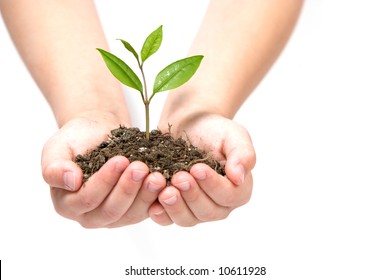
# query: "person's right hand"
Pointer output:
{"type": "Point", "coordinates": [119, 194]}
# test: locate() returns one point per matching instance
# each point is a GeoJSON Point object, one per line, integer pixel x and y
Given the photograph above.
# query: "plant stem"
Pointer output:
{"type": "Point", "coordinates": [147, 119]}
{"type": "Point", "coordinates": [146, 102]}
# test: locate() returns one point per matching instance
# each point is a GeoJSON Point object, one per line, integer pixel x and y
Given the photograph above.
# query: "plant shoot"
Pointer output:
{"type": "Point", "coordinates": [172, 76]}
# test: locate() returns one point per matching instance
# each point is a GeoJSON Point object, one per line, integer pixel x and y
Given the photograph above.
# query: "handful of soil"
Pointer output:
{"type": "Point", "coordinates": [161, 153]}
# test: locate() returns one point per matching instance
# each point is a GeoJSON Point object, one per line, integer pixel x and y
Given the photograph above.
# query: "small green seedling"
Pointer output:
{"type": "Point", "coordinates": [172, 76]}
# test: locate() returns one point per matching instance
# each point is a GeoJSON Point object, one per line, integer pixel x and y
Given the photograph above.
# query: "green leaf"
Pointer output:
{"type": "Point", "coordinates": [129, 48]}
{"type": "Point", "coordinates": [152, 43]}
{"type": "Point", "coordinates": [177, 73]}
{"type": "Point", "coordinates": [121, 70]}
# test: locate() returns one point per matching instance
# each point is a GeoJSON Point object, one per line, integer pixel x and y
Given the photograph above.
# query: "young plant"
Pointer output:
{"type": "Point", "coordinates": [172, 76]}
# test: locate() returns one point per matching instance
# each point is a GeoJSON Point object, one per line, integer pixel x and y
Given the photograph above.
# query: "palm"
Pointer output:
{"type": "Point", "coordinates": [81, 135]}
{"type": "Point", "coordinates": [75, 137]}
{"type": "Point", "coordinates": [212, 133]}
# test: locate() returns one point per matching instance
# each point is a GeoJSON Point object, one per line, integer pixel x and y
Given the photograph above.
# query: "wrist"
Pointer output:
{"type": "Point", "coordinates": [186, 102]}
{"type": "Point", "coordinates": [94, 106]}
{"type": "Point", "coordinates": [107, 119]}
{"type": "Point", "coordinates": [114, 116]}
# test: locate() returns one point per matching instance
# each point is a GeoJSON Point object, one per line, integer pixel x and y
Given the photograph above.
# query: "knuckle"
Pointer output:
{"type": "Point", "coordinates": [62, 211]}
{"type": "Point", "coordinates": [128, 190]}
{"type": "Point", "coordinates": [48, 173]}
{"type": "Point", "coordinates": [208, 216]}
{"type": "Point", "coordinates": [88, 224]}
{"type": "Point", "coordinates": [249, 157]}
{"type": "Point", "coordinates": [246, 195]}
{"type": "Point", "coordinates": [229, 200]}
{"type": "Point", "coordinates": [147, 199]}
{"type": "Point", "coordinates": [252, 157]}
{"type": "Point", "coordinates": [191, 197]}
{"type": "Point", "coordinates": [133, 218]}
{"type": "Point", "coordinates": [187, 223]}
{"type": "Point", "coordinates": [245, 199]}
{"type": "Point", "coordinates": [224, 214]}
{"type": "Point", "coordinates": [214, 215]}
{"type": "Point", "coordinates": [87, 201]}
{"type": "Point", "coordinates": [162, 221]}
{"type": "Point", "coordinates": [110, 215]}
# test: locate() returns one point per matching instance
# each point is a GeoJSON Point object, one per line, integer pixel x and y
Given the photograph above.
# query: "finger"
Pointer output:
{"type": "Point", "coordinates": [158, 214]}
{"type": "Point", "coordinates": [94, 191]}
{"type": "Point", "coordinates": [121, 197]}
{"type": "Point", "coordinates": [176, 208]}
{"type": "Point", "coordinates": [219, 188]}
{"type": "Point", "coordinates": [147, 195]}
{"type": "Point", "coordinates": [58, 169]}
{"type": "Point", "coordinates": [240, 157]}
{"type": "Point", "coordinates": [200, 204]}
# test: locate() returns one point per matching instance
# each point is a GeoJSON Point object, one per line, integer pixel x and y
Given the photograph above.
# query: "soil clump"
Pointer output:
{"type": "Point", "coordinates": [161, 153]}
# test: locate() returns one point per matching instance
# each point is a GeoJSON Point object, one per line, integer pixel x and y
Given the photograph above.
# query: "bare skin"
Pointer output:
{"type": "Point", "coordinates": [238, 53]}
{"type": "Point", "coordinates": [66, 68]}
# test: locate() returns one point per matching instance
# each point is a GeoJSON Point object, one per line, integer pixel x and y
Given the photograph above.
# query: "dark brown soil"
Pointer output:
{"type": "Point", "coordinates": [160, 153]}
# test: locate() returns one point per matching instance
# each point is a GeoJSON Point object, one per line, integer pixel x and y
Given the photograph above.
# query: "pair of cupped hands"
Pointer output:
{"type": "Point", "coordinates": [123, 193]}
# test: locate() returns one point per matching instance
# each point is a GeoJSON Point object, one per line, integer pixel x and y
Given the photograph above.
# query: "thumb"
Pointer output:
{"type": "Point", "coordinates": [58, 168]}
{"type": "Point", "coordinates": [240, 156]}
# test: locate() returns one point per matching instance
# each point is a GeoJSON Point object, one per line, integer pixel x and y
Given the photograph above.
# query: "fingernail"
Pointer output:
{"type": "Point", "coordinates": [185, 186]}
{"type": "Point", "coordinates": [153, 187]}
{"type": "Point", "coordinates": [159, 213]}
{"type": "Point", "coordinates": [200, 175]}
{"type": "Point", "coordinates": [69, 180]}
{"type": "Point", "coordinates": [138, 175]}
{"type": "Point", "coordinates": [240, 172]}
{"type": "Point", "coordinates": [171, 200]}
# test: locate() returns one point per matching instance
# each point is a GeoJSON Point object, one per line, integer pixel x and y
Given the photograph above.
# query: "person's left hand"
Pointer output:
{"type": "Point", "coordinates": [203, 195]}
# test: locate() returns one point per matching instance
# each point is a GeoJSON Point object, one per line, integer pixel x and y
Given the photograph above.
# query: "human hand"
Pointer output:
{"type": "Point", "coordinates": [203, 195]}
{"type": "Point", "coordinates": [119, 194]}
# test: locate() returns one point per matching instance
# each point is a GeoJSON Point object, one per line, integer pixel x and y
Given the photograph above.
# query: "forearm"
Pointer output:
{"type": "Point", "coordinates": [240, 40]}
{"type": "Point", "coordinates": [57, 42]}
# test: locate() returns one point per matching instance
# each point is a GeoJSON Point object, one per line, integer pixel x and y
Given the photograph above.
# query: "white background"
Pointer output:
{"type": "Point", "coordinates": [320, 125]}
